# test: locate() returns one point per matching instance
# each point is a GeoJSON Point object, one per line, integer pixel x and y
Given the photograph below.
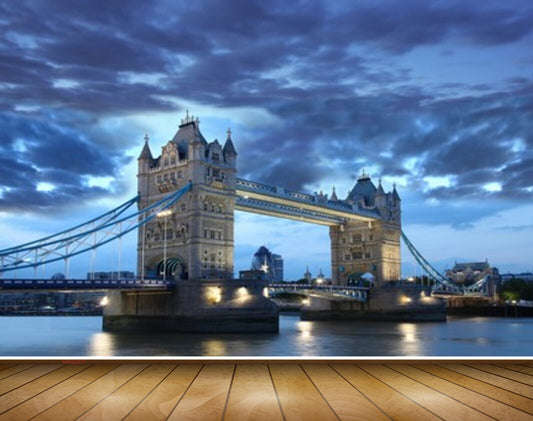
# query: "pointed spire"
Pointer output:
{"type": "Point", "coordinates": [334, 195]}
{"type": "Point", "coordinates": [395, 194]}
{"type": "Point", "coordinates": [380, 191]}
{"type": "Point", "coordinates": [229, 149]}
{"type": "Point", "coordinates": [189, 118]}
{"type": "Point", "coordinates": [146, 153]}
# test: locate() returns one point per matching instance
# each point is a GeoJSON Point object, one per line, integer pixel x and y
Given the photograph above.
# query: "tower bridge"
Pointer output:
{"type": "Point", "coordinates": [186, 201]}
{"type": "Point", "coordinates": [364, 228]}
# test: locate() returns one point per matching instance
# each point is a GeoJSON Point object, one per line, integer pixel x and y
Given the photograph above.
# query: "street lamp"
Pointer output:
{"type": "Point", "coordinates": [164, 214]}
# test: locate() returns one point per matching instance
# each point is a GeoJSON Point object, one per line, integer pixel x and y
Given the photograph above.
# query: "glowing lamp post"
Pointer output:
{"type": "Point", "coordinates": [164, 214]}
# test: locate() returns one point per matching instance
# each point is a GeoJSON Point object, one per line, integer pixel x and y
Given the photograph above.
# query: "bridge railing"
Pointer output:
{"type": "Point", "coordinates": [318, 287]}
{"type": "Point", "coordinates": [288, 210]}
{"type": "Point", "coordinates": [84, 284]}
{"type": "Point", "coordinates": [280, 192]}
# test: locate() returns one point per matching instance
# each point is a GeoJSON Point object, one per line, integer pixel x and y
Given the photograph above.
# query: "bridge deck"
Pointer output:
{"type": "Point", "coordinates": [267, 390]}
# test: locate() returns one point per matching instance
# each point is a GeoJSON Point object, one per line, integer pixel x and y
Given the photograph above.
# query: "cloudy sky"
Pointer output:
{"type": "Point", "coordinates": [435, 96]}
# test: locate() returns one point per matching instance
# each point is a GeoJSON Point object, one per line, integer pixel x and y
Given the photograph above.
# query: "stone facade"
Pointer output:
{"type": "Point", "coordinates": [199, 227]}
{"type": "Point", "coordinates": [195, 240]}
{"type": "Point", "coordinates": [362, 247]}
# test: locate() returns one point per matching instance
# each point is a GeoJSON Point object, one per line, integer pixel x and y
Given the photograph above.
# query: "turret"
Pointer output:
{"type": "Point", "coordinates": [145, 158]}
{"type": "Point", "coordinates": [230, 154]}
{"type": "Point", "coordinates": [334, 196]}
{"type": "Point", "coordinates": [380, 199]}
{"type": "Point", "coordinates": [145, 162]}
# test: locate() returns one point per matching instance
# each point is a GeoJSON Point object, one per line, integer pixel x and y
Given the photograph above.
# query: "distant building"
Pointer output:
{"type": "Point", "coordinates": [307, 275]}
{"type": "Point", "coordinates": [271, 264]}
{"type": "Point", "coordinates": [526, 276]}
{"type": "Point", "coordinates": [470, 273]}
{"type": "Point", "coordinates": [278, 266]}
{"type": "Point", "coordinates": [467, 274]}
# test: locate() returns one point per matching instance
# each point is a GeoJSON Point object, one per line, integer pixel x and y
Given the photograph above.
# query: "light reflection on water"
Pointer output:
{"type": "Point", "coordinates": [410, 342]}
{"type": "Point", "coordinates": [82, 336]}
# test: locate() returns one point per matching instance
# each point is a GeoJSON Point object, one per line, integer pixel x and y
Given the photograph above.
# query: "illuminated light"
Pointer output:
{"type": "Point", "coordinates": [242, 292]}
{"type": "Point", "coordinates": [104, 301]}
{"type": "Point", "coordinates": [265, 292]}
{"type": "Point", "coordinates": [305, 301]}
{"type": "Point", "coordinates": [164, 213]}
{"type": "Point", "coordinates": [213, 295]}
{"type": "Point", "coordinates": [405, 300]}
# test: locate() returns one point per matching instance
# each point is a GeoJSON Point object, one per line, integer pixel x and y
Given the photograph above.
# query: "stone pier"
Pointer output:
{"type": "Point", "coordinates": [207, 306]}
{"type": "Point", "coordinates": [391, 301]}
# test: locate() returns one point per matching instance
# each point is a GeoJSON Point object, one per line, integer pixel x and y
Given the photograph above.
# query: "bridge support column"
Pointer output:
{"type": "Point", "coordinates": [217, 306]}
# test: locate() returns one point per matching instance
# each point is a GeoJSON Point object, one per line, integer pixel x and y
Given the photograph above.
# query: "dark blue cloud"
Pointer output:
{"type": "Point", "coordinates": [330, 72]}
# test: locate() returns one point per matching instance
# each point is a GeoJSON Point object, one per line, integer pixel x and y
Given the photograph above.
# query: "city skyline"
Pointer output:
{"type": "Point", "coordinates": [435, 97]}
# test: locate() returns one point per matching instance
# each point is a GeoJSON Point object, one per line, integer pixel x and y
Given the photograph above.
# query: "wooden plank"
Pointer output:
{"type": "Point", "coordinates": [4, 366]}
{"type": "Point", "coordinates": [15, 397]}
{"type": "Point", "coordinates": [518, 367]}
{"type": "Point", "coordinates": [206, 398]}
{"type": "Point", "coordinates": [436, 402]}
{"type": "Point", "coordinates": [394, 404]}
{"type": "Point", "coordinates": [16, 380]}
{"type": "Point", "coordinates": [50, 397]}
{"type": "Point", "coordinates": [252, 395]}
{"type": "Point", "coordinates": [162, 400]}
{"type": "Point", "coordinates": [508, 374]}
{"type": "Point", "coordinates": [299, 398]}
{"type": "Point", "coordinates": [469, 397]}
{"type": "Point", "coordinates": [121, 402]}
{"type": "Point", "coordinates": [14, 369]}
{"type": "Point", "coordinates": [347, 402]}
{"type": "Point", "coordinates": [501, 382]}
{"type": "Point", "coordinates": [87, 397]}
{"type": "Point", "coordinates": [493, 392]}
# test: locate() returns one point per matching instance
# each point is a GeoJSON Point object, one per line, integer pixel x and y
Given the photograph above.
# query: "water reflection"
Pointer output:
{"type": "Point", "coordinates": [409, 342]}
{"type": "Point", "coordinates": [305, 329]}
{"type": "Point", "coordinates": [102, 345]}
{"type": "Point", "coordinates": [83, 336]}
{"type": "Point", "coordinates": [214, 348]}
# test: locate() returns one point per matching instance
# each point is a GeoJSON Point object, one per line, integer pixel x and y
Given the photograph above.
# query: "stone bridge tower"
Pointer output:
{"type": "Point", "coordinates": [195, 240]}
{"type": "Point", "coordinates": [361, 247]}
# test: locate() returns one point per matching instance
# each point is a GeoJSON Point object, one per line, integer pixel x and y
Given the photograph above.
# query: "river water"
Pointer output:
{"type": "Point", "coordinates": [83, 337]}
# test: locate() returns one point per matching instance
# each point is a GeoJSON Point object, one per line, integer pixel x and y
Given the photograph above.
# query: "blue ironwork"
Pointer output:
{"type": "Point", "coordinates": [443, 284]}
{"type": "Point", "coordinates": [75, 241]}
{"type": "Point", "coordinates": [252, 187]}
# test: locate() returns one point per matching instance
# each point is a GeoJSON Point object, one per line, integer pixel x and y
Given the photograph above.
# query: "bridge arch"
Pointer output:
{"type": "Point", "coordinates": [174, 266]}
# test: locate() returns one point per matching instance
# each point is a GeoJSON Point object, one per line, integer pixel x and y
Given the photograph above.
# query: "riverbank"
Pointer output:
{"type": "Point", "coordinates": [496, 310]}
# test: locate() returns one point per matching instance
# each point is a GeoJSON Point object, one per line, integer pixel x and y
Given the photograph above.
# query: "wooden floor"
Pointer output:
{"type": "Point", "coordinates": [269, 390]}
